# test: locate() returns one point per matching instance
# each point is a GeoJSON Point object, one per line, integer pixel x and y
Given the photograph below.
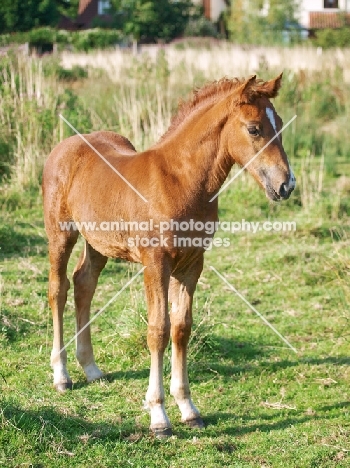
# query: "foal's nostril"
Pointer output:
{"type": "Point", "coordinates": [284, 191]}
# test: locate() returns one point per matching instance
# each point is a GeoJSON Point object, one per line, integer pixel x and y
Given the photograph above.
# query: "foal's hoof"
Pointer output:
{"type": "Point", "coordinates": [162, 432]}
{"type": "Point", "coordinates": [62, 387]}
{"type": "Point", "coordinates": [93, 373]}
{"type": "Point", "coordinates": [195, 423]}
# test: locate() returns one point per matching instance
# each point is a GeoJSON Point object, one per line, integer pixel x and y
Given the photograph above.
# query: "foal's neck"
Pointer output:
{"type": "Point", "coordinates": [197, 149]}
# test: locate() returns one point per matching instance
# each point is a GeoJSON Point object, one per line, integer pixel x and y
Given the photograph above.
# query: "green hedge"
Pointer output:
{"type": "Point", "coordinates": [77, 40]}
{"type": "Point", "coordinates": [327, 38]}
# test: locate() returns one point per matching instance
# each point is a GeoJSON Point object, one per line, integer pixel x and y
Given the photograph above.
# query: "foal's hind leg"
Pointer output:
{"type": "Point", "coordinates": [85, 278]}
{"type": "Point", "coordinates": [181, 296]}
{"type": "Point", "coordinates": [60, 248]}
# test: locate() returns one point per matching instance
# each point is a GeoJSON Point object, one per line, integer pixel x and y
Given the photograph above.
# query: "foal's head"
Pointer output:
{"type": "Point", "coordinates": [252, 124]}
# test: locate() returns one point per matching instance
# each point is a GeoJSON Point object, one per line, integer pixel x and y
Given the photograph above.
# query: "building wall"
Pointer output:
{"type": "Point", "coordinates": [212, 8]}
{"type": "Point", "coordinates": [217, 7]}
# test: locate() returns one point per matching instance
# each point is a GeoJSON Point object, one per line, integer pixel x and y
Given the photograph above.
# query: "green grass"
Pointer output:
{"type": "Point", "coordinates": [262, 404]}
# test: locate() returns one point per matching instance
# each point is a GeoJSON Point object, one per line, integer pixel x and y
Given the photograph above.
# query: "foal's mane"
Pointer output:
{"type": "Point", "coordinates": [210, 92]}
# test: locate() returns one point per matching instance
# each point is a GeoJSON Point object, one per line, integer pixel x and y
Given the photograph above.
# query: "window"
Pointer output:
{"type": "Point", "coordinates": [330, 3]}
{"type": "Point", "coordinates": [103, 7]}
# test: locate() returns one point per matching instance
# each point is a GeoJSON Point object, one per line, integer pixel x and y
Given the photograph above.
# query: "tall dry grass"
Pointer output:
{"type": "Point", "coordinates": [28, 99]}
{"type": "Point", "coordinates": [219, 60]}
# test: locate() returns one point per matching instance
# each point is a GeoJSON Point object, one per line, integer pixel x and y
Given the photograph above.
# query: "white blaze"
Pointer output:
{"type": "Point", "coordinates": [271, 116]}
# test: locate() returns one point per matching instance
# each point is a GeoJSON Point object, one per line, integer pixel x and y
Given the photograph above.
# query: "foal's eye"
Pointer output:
{"type": "Point", "coordinates": [254, 131]}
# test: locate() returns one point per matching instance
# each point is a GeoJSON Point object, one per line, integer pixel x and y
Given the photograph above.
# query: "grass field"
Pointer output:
{"type": "Point", "coordinates": [263, 405]}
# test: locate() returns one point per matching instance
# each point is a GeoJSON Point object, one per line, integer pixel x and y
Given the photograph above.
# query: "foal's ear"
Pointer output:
{"type": "Point", "coordinates": [270, 88]}
{"type": "Point", "coordinates": [246, 90]}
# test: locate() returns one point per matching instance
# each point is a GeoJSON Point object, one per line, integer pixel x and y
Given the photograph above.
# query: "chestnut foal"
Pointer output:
{"type": "Point", "coordinates": [224, 123]}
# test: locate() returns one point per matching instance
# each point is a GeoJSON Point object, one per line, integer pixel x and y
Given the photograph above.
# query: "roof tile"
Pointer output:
{"type": "Point", "coordinates": [323, 20]}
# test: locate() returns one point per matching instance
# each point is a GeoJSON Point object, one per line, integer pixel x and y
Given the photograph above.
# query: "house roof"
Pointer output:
{"type": "Point", "coordinates": [83, 4]}
{"type": "Point", "coordinates": [323, 20]}
{"type": "Point", "coordinates": [66, 23]}
{"type": "Point", "coordinates": [87, 12]}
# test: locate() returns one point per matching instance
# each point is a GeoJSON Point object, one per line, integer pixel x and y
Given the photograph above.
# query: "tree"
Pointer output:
{"type": "Point", "coordinates": [258, 21]}
{"type": "Point", "coordinates": [281, 13]}
{"type": "Point", "coordinates": [151, 20]}
{"type": "Point", "coordinates": [245, 23]}
{"type": "Point", "coordinates": [23, 15]}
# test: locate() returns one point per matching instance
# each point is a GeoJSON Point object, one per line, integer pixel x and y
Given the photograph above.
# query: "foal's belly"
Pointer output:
{"type": "Point", "coordinates": [113, 246]}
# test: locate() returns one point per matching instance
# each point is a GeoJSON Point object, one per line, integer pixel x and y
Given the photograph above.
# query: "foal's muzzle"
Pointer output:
{"type": "Point", "coordinates": [283, 191]}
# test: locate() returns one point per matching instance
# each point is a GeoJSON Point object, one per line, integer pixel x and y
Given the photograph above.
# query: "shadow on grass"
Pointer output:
{"type": "Point", "coordinates": [246, 427]}
{"type": "Point", "coordinates": [13, 242]}
{"type": "Point", "coordinates": [257, 367]}
{"type": "Point", "coordinates": [243, 356]}
{"type": "Point", "coordinates": [48, 422]}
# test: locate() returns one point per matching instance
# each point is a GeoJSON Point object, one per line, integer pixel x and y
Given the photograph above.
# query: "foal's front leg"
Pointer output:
{"type": "Point", "coordinates": [156, 278]}
{"type": "Point", "coordinates": [181, 296]}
